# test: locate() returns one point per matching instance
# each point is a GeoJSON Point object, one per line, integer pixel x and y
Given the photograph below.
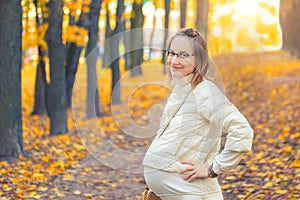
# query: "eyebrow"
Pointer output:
{"type": "Point", "coordinates": [178, 52]}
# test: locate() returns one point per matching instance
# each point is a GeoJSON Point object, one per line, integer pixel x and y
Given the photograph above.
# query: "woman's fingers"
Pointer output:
{"type": "Point", "coordinates": [186, 162]}
{"type": "Point", "coordinates": [192, 178]}
{"type": "Point", "coordinates": [194, 171]}
{"type": "Point", "coordinates": [186, 170]}
{"type": "Point", "coordinates": [189, 175]}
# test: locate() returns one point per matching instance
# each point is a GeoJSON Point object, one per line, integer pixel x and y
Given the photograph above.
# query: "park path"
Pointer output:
{"type": "Point", "coordinates": [97, 181]}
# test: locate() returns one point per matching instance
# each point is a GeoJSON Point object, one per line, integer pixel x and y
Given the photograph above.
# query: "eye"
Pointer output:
{"type": "Point", "coordinates": [183, 55]}
{"type": "Point", "coordinates": [171, 53]}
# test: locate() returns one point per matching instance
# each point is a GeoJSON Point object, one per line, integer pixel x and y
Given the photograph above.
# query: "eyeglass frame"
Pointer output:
{"type": "Point", "coordinates": [179, 55]}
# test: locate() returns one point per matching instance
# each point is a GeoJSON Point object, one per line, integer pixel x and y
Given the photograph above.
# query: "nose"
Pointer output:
{"type": "Point", "coordinates": [175, 59]}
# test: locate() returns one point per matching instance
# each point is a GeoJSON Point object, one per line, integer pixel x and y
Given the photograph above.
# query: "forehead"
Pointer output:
{"type": "Point", "coordinates": [181, 43]}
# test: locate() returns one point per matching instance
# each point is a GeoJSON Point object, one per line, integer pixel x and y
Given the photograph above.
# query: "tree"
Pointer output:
{"type": "Point", "coordinates": [73, 54]}
{"type": "Point", "coordinates": [183, 4]}
{"type": "Point", "coordinates": [75, 42]}
{"type": "Point", "coordinates": [136, 44]}
{"type": "Point", "coordinates": [166, 35]}
{"type": "Point", "coordinates": [112, 50]}
{"type": "Point", "coordinates": [41, 85]}
{"type": "Point", "coordinates": [127, 41]}
{"type": "Point", "coordinates": [152, 34]}
{"type": "Point", "coordinates": [290, 26]}
{"type": "Point", "coordinates": [56, 99]}
{"type": "Point", "coordinates": [92, 102]}
{"type": "Point", "coordinates": [202, 17]}
{"type": "Point", "coordinates": [11, 139]}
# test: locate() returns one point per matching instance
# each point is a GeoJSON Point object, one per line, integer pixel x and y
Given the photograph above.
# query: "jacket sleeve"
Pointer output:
{"type": "Point", "coordinates": [239, 133]}
{"type": "Point", "coordinates": [238, 140]}
{"type": "Point", "coordinates": [224, 116]}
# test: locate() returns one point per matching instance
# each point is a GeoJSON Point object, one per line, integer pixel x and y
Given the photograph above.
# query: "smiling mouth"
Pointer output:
{"type": "Point", "coordinates": [175, 68]}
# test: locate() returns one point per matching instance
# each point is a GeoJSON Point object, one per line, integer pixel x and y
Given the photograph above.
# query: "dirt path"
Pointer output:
{"type": "Point", "coordinates": [97, 181]}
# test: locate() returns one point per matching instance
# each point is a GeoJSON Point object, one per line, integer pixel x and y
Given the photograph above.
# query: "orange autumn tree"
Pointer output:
{"type": "Point", "coordinates": [71, 19]}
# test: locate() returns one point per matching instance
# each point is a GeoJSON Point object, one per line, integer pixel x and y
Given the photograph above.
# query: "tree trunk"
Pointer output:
{"type": "Point", "coordinates": [152, 36]}
{"type": "Point", "coordinates": [92, 102]}
{"type": "Point", "coordinates": [290, 26]}
{"type": "Point", "coordinates": [106, 58]}
{"type": "Point", "coordinates": [202, 17]}
{"type": "Point", "coordinates": [183, 4]}
{"type": "Point", "coordinates": [11, 139]}
{"type": "Point", "coordinates": [56, 100]}
{"type": "Point", "coordinates": [136, 44]}
{"type": "Point", "coordinates": [41, 86]}
{"type": "Point", "coordinates": [115, 66]}
{"type": "Point", "coordinates": [167, 8]}
{"type": "Point", "coordinates": [127, 41]}
{"type": "Point", "coordinates": [73, 56]}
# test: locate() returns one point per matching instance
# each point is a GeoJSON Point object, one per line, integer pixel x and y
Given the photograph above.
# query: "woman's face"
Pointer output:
{"type": "Point", "coordinates": [181, 58]}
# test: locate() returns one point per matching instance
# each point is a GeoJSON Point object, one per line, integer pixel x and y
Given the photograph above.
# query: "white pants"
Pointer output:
{"type": "Point", "coordinates": [172, 186]}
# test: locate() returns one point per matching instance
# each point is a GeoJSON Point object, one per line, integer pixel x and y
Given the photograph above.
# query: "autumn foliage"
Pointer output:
{"type": "Point", "coordinates": [264, 86]}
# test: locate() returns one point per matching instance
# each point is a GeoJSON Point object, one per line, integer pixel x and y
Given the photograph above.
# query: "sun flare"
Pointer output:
{"type": "Point", "coordinates": [245, 25]}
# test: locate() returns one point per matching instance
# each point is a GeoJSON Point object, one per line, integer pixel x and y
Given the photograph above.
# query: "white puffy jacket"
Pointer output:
{"type": "Point", "coordinates": [194, 134]}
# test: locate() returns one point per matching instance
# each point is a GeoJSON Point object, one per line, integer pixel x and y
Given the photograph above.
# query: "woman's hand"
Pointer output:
{"type": "Point", "coordinates": [194, 171]}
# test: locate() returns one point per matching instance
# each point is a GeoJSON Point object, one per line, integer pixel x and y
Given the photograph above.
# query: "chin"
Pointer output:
{"type": "Point", "coordinates": [176, 75]}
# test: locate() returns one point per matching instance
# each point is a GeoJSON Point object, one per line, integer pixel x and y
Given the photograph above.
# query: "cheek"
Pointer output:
{"type": "Point", "coordinates": [168, 62]}
{"type": "Point", "coordinates": [189, 68]}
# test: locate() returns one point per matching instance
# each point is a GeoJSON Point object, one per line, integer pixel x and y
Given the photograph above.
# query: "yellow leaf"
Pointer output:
{"type": "Point", "coordinates": [230, 178]}
{"type": "Point", "coordinates": [32, 187]}
{"type": "Point", "coordinates": [113, 185]}
{"type": "Point", "coordinates": [279, 191]}
{"type": "Point", "coordinates": [77, 192]}
{"type": "Point", "coordinates": [269, 184]}
{"type": "Point", "coordinates": [45, 159]}
{"type": "Point", "coordinates": [33, 194]}
{"type": "Point", "coordinates": [60, 194]}
{"type": "Point", "coordinates": [295, 163]}
{"type": "Point", "coordinates": [19, 192]}
{"type": "Point", "coordinates": [78, 147]}
{"type": "Point", "coordinates": [271, 140]}
{"type": "Point", "coordinates": [68, 177]}
{"type": "Point", "coordinates": [88, 195]}
{"type": "Point", "coordinates": [288, 149]}
{"type": "Point", "coordinates": [22, 158]}
{"type": "Point", "coordinates": [295, 135]}
{"type": "Point", "coordinates": [6, 187]}
{"type": "Point", "coordinates": [43, 189]}
{"type": "Point", "coordinates": [85, 9]}
{"type": "Point", "coordinates": [3, 164]}
{"type": "Point", "coordinates": [38, 166]}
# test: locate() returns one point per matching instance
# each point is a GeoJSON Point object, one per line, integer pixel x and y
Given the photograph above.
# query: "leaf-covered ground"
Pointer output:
{"type": "Point", "coordinates": [264, 86]}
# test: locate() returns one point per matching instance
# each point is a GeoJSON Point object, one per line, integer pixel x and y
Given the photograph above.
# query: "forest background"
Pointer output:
{"type": "Point", "coordinates": [68, 67]}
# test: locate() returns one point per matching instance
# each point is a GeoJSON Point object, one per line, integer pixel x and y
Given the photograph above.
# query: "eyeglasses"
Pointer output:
{"type": "Point", "coordinates": [181, 55]}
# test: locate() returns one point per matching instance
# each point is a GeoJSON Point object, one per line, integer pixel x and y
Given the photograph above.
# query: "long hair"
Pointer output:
{"type": "Point", "coordinates": [201, 53]}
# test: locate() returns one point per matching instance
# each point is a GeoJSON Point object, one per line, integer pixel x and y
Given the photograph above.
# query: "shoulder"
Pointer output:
{"type": "Point", "coordinates": [209, 95]}
{"type": "Point", "coordinates": [207, 88]}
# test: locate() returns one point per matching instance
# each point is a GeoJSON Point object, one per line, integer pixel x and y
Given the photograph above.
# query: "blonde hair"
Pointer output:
{"type": "Point", "coordinates": [201, 53]}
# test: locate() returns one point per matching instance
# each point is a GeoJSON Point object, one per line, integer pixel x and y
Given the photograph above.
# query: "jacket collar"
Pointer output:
{"type": "Point", "coordinates": [182, 81]}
